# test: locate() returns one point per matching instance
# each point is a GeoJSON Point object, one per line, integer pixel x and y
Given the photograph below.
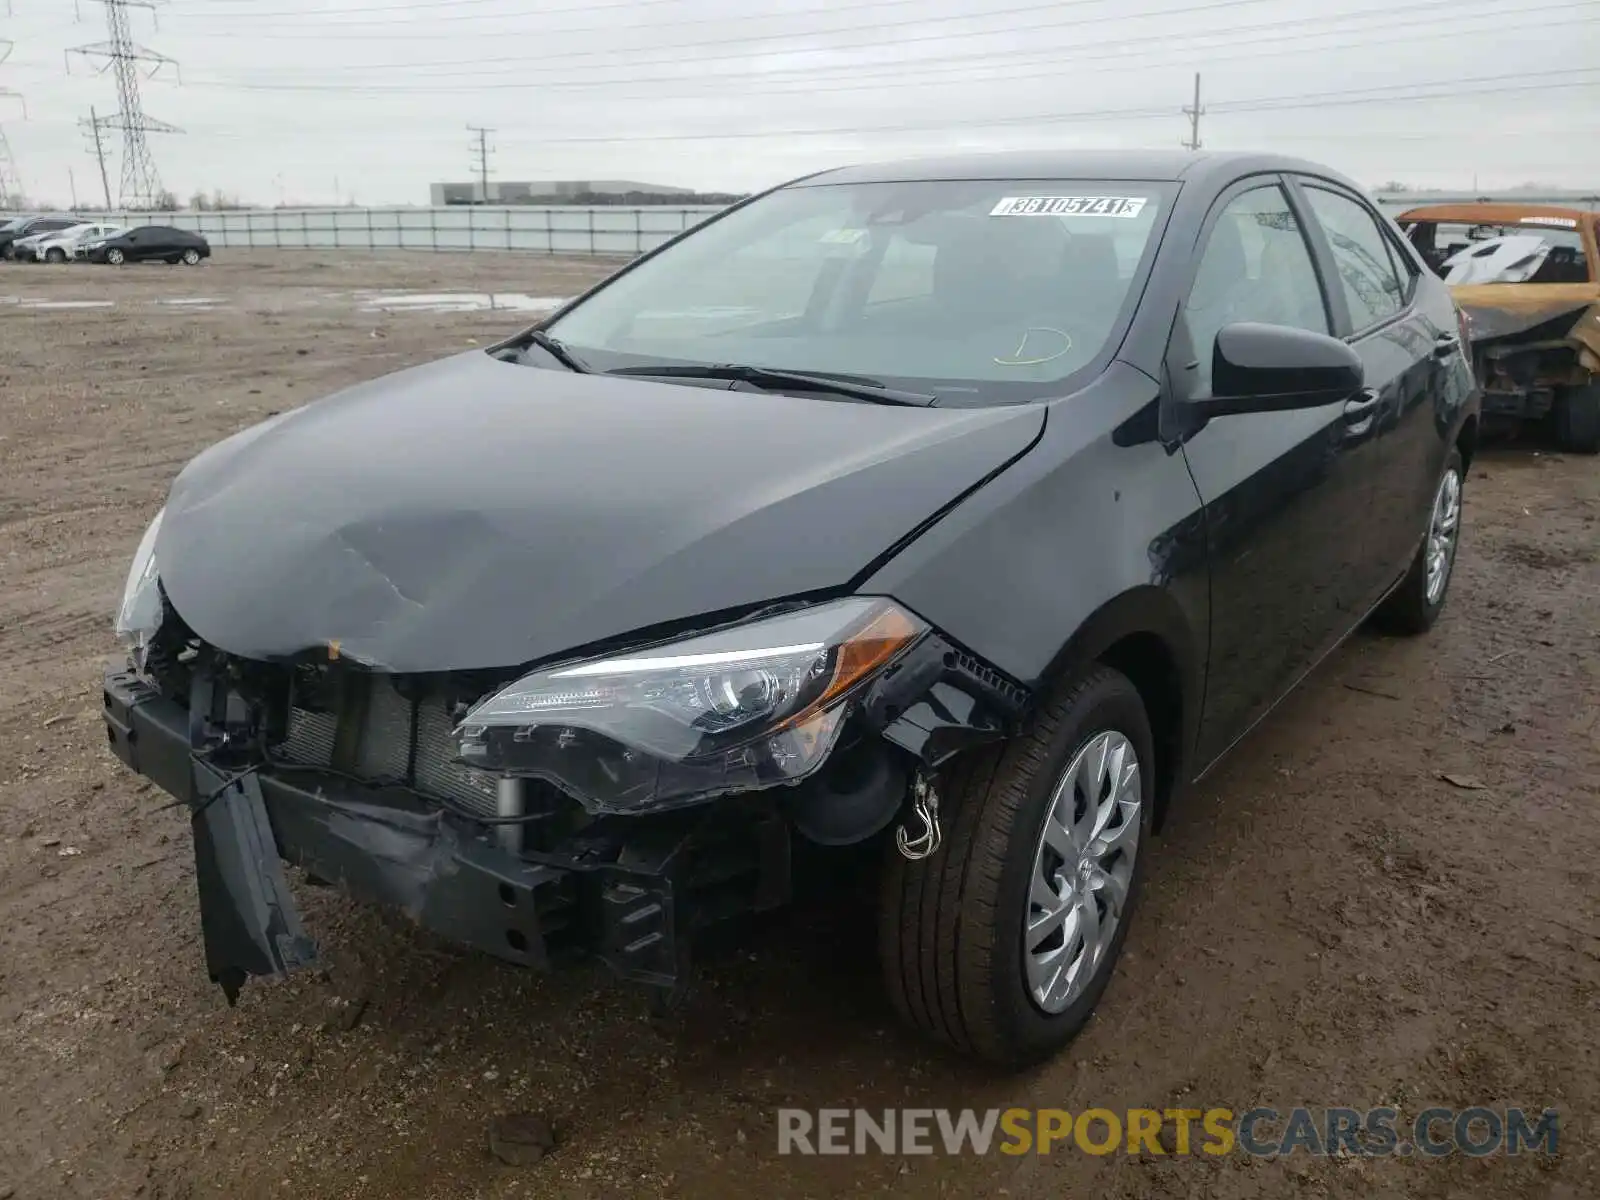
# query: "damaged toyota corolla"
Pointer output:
{"type": "Point", "coordinates": [966, 509]}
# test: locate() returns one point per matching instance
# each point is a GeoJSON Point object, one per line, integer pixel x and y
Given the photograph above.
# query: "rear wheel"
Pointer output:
{"type": "Point", "coordinates": [1001, 943]}
{"type": "Point", "coordinates": [1415, 605]}
{"type": "Point", "coordinates": [1577, 419]}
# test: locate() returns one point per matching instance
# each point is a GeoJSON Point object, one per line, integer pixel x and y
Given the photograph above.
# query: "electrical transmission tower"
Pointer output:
{"type": "Point", "coordinates": [10, 183]}
{"type": "Point", "coordinates": [481, 150]}
{"type": "Point", "coordinates": [128, 61]}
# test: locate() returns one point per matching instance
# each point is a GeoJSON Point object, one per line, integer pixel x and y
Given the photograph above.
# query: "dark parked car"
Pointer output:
{"type": "Point", "coordinates": [967, 508]}
{"type": "Point", "coordinates": [21, 227]}
{"type": "Point", "coordinates": [150, 243]}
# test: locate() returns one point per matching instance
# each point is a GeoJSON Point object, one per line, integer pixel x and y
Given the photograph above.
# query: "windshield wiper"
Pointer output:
{"type": "Point", "coordinates": [773, 377]}
{"type": "Point", "coordinates": [556, 350]}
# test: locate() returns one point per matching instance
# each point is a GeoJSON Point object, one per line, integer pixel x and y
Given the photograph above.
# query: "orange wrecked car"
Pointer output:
{"type": "Point", "coordinates": [1527, 278]}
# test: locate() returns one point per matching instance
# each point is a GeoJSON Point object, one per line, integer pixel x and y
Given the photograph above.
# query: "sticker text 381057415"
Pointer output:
{"type": "Point", "coordinates": [1069, 206]}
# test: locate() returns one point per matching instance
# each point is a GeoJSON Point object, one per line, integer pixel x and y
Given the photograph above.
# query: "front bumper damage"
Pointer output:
{"type": "Point", "coordinates": [627, 891]}
{"type": "Point", "coordinates": [632, 891]}
{"type": "Point", "coordinates": [1529, 341]}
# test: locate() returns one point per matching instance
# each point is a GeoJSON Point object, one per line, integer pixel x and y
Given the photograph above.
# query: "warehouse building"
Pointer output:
{"type": "Point", "coordinates": [570, 191]}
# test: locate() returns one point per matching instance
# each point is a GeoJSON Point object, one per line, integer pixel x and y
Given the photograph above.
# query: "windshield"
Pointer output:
{"type": "Point", "coordinates": [1532, 250]}
{"type": "Point", "coordinates": [976, 291]}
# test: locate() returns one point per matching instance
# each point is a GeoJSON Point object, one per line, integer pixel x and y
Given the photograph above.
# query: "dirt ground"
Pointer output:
{"type": "Point", "coordinates": [1327, 920]}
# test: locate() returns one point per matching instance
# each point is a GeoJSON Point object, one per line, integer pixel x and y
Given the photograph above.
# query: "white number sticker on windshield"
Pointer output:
{"type": "Point", "coordinates": [1556, 222]}
{"type": "Point", "coordinates": [1069, 206]}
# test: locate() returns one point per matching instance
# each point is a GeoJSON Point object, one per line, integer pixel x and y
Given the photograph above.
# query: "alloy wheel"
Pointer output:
{"type": "Point", "coordinates": [1444, 529]}
{"type": "Point", "coordinates": [1082, 870]}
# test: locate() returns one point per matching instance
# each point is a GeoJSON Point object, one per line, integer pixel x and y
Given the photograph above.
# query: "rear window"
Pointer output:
{"type": "Point", "coordinates": [1532, 250]}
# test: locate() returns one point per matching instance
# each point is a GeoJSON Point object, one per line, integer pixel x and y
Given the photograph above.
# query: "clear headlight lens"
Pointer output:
{"type": "Point", "coordinates": [744, 708]}
{"type": "Point", "coordinates": [139, 614]}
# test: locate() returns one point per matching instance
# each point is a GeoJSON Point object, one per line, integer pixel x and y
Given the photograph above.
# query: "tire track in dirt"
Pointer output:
{"type": "Point", "coordinates": [1326, 920]}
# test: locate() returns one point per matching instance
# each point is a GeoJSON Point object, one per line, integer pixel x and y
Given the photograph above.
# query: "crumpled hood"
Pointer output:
{"type": "Point", "coordinates": [474, 513]}
{"type": "Point", "coordinates": [1501, 310]}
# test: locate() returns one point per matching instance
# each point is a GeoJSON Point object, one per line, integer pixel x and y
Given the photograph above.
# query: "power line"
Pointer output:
{"type": "Point", "coordinates": [539, 15]}
{"type": "Point", "coordinates": [528, 75]}
{"type": "Point", "coordinates": [141, 185]}
{"type": "Point", "coordinates": [610, 53]}
{"type": "Point", "coordinates": [1383, 94]}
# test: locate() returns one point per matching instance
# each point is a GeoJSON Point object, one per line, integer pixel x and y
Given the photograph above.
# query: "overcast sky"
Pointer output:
{"type": "Point", "coordinates": [305, 102]}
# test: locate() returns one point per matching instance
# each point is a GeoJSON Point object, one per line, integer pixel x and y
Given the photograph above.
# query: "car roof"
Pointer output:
{"type": "Point", "coordinates": [1480, 212]}
{"type": "Point", "coordinates": [1155, 166]}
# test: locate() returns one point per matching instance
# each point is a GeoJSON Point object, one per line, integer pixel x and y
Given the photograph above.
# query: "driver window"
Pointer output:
{"type": "Point", "coordinates": [1256, 266]}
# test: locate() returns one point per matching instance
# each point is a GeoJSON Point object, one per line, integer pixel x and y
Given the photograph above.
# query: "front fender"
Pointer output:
{"type": "Point", "coordinates": [1095, 535]}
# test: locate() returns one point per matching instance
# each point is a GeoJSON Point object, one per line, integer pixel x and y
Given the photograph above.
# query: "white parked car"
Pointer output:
{"type": "Point", "coordinates": [62, 244]}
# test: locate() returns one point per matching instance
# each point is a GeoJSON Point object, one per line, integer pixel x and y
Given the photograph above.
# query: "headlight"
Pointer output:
{"type": "Point", "coordinates": [743, 708]}
{"type": "Point", "coordinates": [139, 614]}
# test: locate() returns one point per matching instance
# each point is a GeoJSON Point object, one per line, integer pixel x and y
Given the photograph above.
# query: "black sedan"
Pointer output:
{"type": "Point", "coordinates": [150, 243]}
{"type": "Point", "coordinates": [18, 228]}
{"type": "Point", "coordinates": [968, 509]}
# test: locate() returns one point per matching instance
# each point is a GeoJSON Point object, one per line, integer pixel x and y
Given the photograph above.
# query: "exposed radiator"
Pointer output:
{"type": "Point", "coordinates": [380, 750]}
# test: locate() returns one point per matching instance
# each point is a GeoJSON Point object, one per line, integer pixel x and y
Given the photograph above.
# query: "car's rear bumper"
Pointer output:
{"type": "Point", "coordinates": [626, 892]}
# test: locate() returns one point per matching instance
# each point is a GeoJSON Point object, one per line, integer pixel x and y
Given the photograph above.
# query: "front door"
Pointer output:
{"type": "Point", "coordinates": [1286, 493]}
{"type": "Point", "coordinates": [1412, 362]}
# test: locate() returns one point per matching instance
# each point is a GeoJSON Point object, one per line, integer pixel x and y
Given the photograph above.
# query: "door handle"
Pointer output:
{"type": "Point", "coordinates": [1362, 406]}
{"type": "Point", "coordinates": [1445, 345]}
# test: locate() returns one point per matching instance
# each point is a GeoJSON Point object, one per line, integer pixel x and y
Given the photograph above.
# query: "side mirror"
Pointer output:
{"type": "Point", "coordinates": [1273, 368]}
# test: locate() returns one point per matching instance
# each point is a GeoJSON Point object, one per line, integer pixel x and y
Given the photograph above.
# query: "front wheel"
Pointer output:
{"type": "Point", "coordinates": [1001, 943]}
{"type": "Point", "coordinates": [191, 257]}
{"type": "Point", "coordinates": [116, 257]}
{"type": "Point", "coordinates": [54, 255]}
{"type": "Point", "coordinates": [1577, 419]}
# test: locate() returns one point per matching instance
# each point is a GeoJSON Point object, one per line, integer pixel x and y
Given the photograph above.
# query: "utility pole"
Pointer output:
{"type": "Point", "coordinates": [480, 155]}
{"type": "Point", "coordinates": [1194, 114]}
{"type": "Point", "coordinates": [10, 183]}
{"type": "Point", "coordinates": [93, 125]}
{"type": "Point", "coordinates": [140, 185]}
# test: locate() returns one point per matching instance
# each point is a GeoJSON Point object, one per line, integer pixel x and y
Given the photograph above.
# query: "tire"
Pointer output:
{"type": "Point", "coordinates": [1412, 607]}
{"type": "Point", "coordinates": [952, 926]}
{"type": "Point", "coordinates": [7, 253]}
{"type": "Point", "coordinates": [116, 257]}
{"type": "Point", "coordinates": [1577, 419]}
{"type": "Point", "coordinates": [55, 255]}
{"type": "Point", "coordinates": [191, 257]}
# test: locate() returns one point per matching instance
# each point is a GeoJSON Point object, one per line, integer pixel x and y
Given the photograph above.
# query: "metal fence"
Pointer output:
{"type": "Point", "coordinates": [534, 229]}
{"type": "Point", "coordinates": [538, 229]}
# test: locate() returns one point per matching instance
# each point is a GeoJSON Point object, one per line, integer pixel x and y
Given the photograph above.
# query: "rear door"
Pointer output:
{"type": "Point", "coordinates": [1285, 493]}
{"type": "Point", "coordinates": [1383, 311]}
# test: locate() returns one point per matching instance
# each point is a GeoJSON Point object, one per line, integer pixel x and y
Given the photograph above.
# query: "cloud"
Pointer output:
{"type": "Point", "coordinates": [292, 100]}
